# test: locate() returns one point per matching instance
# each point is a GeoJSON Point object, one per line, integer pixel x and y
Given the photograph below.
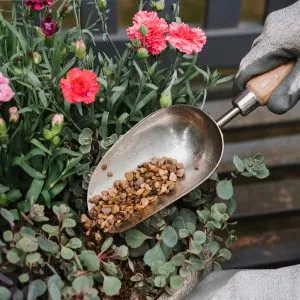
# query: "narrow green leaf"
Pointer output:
{"type": "Point", "coordinates": [40, 146]}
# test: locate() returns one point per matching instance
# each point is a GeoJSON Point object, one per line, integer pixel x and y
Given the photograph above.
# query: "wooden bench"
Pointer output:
{"type": "Point", "coordinates": [268, 210]}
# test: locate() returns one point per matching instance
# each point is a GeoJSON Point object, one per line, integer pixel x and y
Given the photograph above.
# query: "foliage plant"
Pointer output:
{"type": "Point", "coordinates": [52, 138]}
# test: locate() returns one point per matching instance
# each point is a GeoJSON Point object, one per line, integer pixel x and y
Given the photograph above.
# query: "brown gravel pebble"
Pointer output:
{"type": "Point", "coordinates": [134, 192]}
{"type": "Point", "coordinates": [103, 167]}
{"type": "Point", "coordinates": [110, 174]}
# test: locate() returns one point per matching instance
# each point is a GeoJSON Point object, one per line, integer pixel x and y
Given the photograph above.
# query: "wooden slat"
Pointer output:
{"type": "Point", "coordinates": [88, 12]}
{"type": "Point", "coordinates": [278, 151]}
{"type": "Point", "coordinates": [264, 198]}
{"type": "Point", "coordinates": [272, 5]}
{"type": "Point", "coordinates": [260, 117]}
{"type": "Point", "coordinates": [222, 14]}
{"type": "Point", "coordinates": [266, 250]}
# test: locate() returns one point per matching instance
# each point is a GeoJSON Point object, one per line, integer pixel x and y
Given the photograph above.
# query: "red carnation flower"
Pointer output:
{"type": "Point", "coordinates": [38, 4]}
{"type": "Point", "coordinates": [80, 86]}
{"type": "Point", "coordinates": [49, 26]}
{"type": "Point", "coordinates": [186, 39]}
{"type": "Point", "coordinates": [157, 28]}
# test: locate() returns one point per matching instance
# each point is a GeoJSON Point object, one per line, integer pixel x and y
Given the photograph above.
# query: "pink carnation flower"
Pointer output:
{"type": "Point", "coordinates": [38, 4]}
{"type": "Point", "coordinates": [157, 28]}
{"type": "Point", "coordinates": [6, 93]}
{"type": "Point", "coordinates": [186, 39]}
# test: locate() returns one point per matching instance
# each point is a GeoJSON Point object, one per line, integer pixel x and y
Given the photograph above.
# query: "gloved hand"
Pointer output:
{"type": "Point", "coordinates": [278, 43]}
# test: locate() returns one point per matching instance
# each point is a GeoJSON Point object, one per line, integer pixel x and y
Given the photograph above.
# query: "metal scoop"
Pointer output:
{"type": "Point", "coordinates": [182, 132]}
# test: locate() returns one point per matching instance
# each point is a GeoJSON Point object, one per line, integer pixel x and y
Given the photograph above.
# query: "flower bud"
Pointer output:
{"type": "Point", "coordinates": [142, 53]}
{"type": "Point", "coordinates": [157, 5]}
{"type": "Point", "coordinates": [3, 199]}
{"type": "Point", "coordinates": [143, 30]}
{"type": "Point", "coordinates": [102, 4]}
{"type": "Point", "coordinates": [36, 58]}
{"type": "Point", "coordinates": [17, 72]}
{"type": "Point", "coordinates": [47, 134]}
{"type": "Point", "coordinates": [136, 43]}
{"type": "Point", "coordinates": [56, 140]}
{"type": "Point", "coordinates": [80, 49]}
{"type": "Point", "coordinates": [39, 32]}
{"type": "Point", "coordinates": [49, 26]}
{"type": "Point", "coordinates": [13, 115]}
{"type": "Point", "coordinates": [37, 213]}
{"type": "Point", "coordinates": [166, 98]}
{"type": "Point", "coordinates": [57, 119]}
{"type": "Point", "coordinates": [3, 133]}
{"type": "Point", "coordinates": [3, 128]}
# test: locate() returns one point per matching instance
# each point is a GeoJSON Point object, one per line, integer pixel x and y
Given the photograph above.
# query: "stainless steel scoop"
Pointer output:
{"type": "Point", "coordinates": [182, 132]}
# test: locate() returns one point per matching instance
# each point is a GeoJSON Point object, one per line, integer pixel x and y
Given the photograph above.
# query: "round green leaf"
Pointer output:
{"type": "Point", "coordinates": [122, 251]}
{"type": "Point", "coordinates": [176, 282]}
{"type": "Point", "coordinates": [110, 268]}
{"type": "Point", "coordinates": [13, 256]}
{"type": "Point", "coordinates": [36, 288]}
{"type": "Point", "coordinates": [196, 248]}
{"type": "Point", "coordinates": [107, 243]}
{"type": "Point", "coordinates": [74, 243]}
{"type": "Point", "coordinates": [153, 255]}
{"type": "Point", "coordinates": [183, 233]}
{"type": "Point", "coordinates": [178, 259]}
{"type": "Point", "coordinates": [225, 189]}
{"type": "Point", "coordinates": [51, 230]}
{"type": "Point", "coordinates": [190, 227]}
{"type": "Point", "coordinates": [7, 236]}
{"type": "Point", "coordinates": [160, 281]}
{"type": "Point", "coordinates": [155, 266]}
{"type": "Point", "coordinates": [135, 238]}
{"type": "Point", "coordinates": [23, 277]}
{"type": "Point", "coordinates": [28, 244]}
{"type": "Point", "coordinates": [47, 245]}
{"type": "Point", "coordinates": [199, 237]}
{"type": "Point", "coordinates": [111, 285]}
{"type": "Point", "coordinates": [4, 293]}
{"type": "Point", "coordinates": [238, 163]}
{"type": "Point", "coordinates": [7, 215]}
{"type": "Point", "coordinates": [32, 258]}
{"type": "Point", "coordinates": [169, 236]}
{"type": "Point", "coordinates": [68, 223]}
{"type": "Point", "coordinates": [66, 253]}
{"type": "Point", "coordinates": [80, 283]}
{"type": "Point", "coordinates": [167, 268]}
{"type": "Point", "coordinates": [90, 260]}
{"type": "Point", "coordinates": [184, 273]}
{"type": "Point", "coordinates": [225, 253]}
{"type": "Point", "coordinates": [213, 247]}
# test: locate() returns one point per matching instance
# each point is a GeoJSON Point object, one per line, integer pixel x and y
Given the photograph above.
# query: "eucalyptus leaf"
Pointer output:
{"type": "Point", "coordinates": [135, 238]}
{"type": "Point", "coordinates": [160, 281]}
{"type": "Point", "coordinates": [178, 259]}
{"type": "Point", "coordinates": [36, 289]}
{"type": "Point", "coordinates": [153, 254]}
{"type": "Point", "coordinates": [7, 215]}
{"type": "Point", "coordinates": [176, 282]}
{"type": "Point", "coordinates": [90, 260]}
{"type": "Point", "coordinates": [5, 293]}
{"type": "Point", "coordinates": [225, 189]}
{"type": "Point", "coordinates": [111, 285]}
{"type": "Point", "coordinates": [68, 223]}
{"type": "Point", "coordinates": [32, 258]}
{"type": "Point", "coordinates": [238, 163]}
{"type": "Point", "coordinates": [74, 243]}
{"type": "Point", "coordinates": [13, 256]}
{"type": "Point", "coordinates": [169, 236]}
{"type": "Point", "coordinates": [107, 243]}
{"type": "Point", "coordinates": [47, 245]}
{"type": "Point", "coordinates": [66, 253]}
{"type": "Point", "coordinates": [199, 237]}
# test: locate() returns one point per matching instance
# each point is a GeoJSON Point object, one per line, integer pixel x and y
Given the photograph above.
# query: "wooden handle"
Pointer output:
{"type": "Point", "coordinates": [265, 84]}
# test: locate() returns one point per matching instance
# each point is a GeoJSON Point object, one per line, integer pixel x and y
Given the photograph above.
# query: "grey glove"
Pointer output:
{"type": "Point", "coordinates": [278, 43]}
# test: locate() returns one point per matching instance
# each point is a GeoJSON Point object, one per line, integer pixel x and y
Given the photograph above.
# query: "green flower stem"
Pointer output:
{"type": "Point", "coordinates": [104, 28]}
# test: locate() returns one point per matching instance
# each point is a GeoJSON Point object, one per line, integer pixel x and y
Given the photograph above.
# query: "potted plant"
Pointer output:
{"type": "Point", "coordinates": [62, 106]}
